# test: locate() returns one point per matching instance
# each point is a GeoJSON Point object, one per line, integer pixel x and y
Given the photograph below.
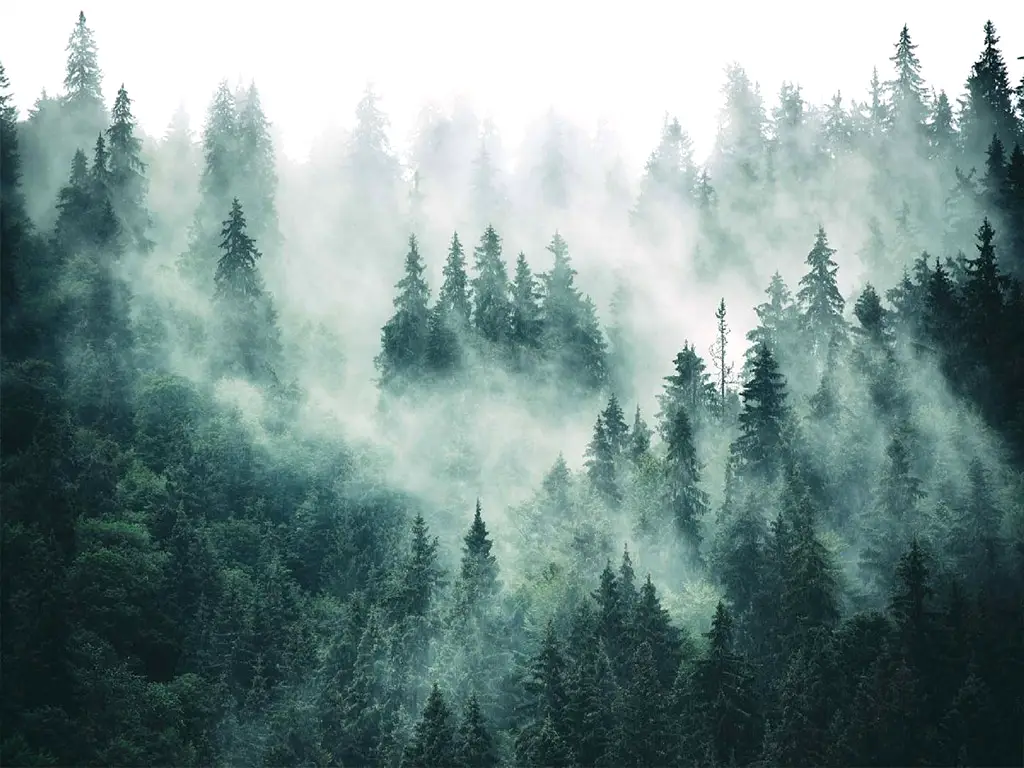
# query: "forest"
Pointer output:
{"type": "Point", "coordinates": [431, 458]}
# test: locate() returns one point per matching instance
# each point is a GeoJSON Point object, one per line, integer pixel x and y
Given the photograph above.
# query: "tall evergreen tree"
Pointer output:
{"type": "Point", "coordinates": [686, 502]}
{"type": "Point", "coordinates": [127, 173]}
{"type": "Point", "coordinates": [688, 389]}
{"type": "Point", "coordinates": [719, 350]}
{"type": "Point", "coordinates": [433, 741]}
{"type": "Point", "coordinates": [404, 338]}
{"type": "Point", "coordinates": [572, 335]}
{"type": "Point", "coordinates": [479, 569]}
{"type": "Point", "coordinates": [763, 421]}
{"type": "Point", "coordinates": [490, 290]}
{"type": "Point", "coordinates": [988, 107]}
{"type": "Point", "coordinates": [527, 327]}
{"type": "Point", "coordinates": [907, 94]}
{"type": "Point", "coordinates": [14, 224]}
{"type": "Point", "coordinates": [474, 745]}
{"type": "Point", "coordinates": [251, 339]}
{"type": "Point", "coordinates": [256, 171]}
{"type": "Point", "coordinates": [820, 298]}
{"type": "Point", "coordinates": [83, 81]}
{"type": "Point", "coordinates": [777, 319]}
{"type": "Point", "coordinates": [453, 298]}
{"type": "Point", "coordinates": [601, 464]}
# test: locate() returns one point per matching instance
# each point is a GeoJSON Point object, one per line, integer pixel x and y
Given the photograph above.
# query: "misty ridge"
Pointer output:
{"type": "Point", "coordinates": [443, 452]}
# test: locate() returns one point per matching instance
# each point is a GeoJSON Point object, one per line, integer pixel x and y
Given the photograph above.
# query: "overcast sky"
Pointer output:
{"type": "Point", "coordinates": [625, 62]}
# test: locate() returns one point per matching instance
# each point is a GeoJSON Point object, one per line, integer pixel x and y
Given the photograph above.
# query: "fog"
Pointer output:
{"type": "Point", "coordinates": [682, 161]}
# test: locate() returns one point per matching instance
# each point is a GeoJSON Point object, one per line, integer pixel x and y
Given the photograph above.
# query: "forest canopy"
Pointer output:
{"type": "Point", "coordinates": [425, 460]}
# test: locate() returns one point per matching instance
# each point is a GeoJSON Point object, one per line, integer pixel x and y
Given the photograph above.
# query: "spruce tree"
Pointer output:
{"type": "Point", "coordinates": [820, 299]}
{"type": "Point", "coordinates": [639, 437]}
{"type": "Point", "coordinates": [871, 315]}
{"type": "Point", "coordinates": [83, 81]}
{"type": "Point", "coordinates": [988, 108]}
{"type": "Point", "coordinates": [490, 290]}
{"type": "Point", "coordinates": [127, 173]}
{"type": "Point", "coordinates": [405, 337]}
{"type": "Point", "coordinates": [983, 296]}
{"type": "Point", "coordinates": [256, 174]}
{"type": "Point", "coordinates": [433, 741]}
{"type": "Point", "coordinates": [527, 328]}
{"type": "Point", "coordinates": [572, 336]}
{"type": "Point", "coordinates": [474, 745]}
{"type": "Point", "coordinates": [685, 500]}
{"type": "Point", "coordinates": [777, 319]}
{"type": "Point", "coordinates": [601, 464]}
{"type": "Point", "coordinates": [14, 225]}
{"type": "Point", "coordinates": [479, 570]}
{"type": "Point", "coordinates": [615, 426]}
{"type": "Point", "coordinates": [908, 107]}
{"type": "Point", "coordinates": [453, 299]}
{"type": "Point", "coordinates": [251, 338]}
{"type": "Point", "coordinates": [763, 420]}
{"type": "Point", "coordinates": [689, 389]}
{"type": "Point", "coordinates": [719, 350]}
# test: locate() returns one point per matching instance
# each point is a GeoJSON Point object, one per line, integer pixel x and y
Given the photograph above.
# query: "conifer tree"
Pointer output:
{"type": "Point", "coordinates": [251, 338]}
{"type": "Point", "coordinates": [527, 328]}
{"type": "Point", "coordinates": [777, 319]}
{"type": "Point", "coordinates": [220, 148]}
{"type": "Point", "coordinates": [983, 297]}
{"type": "Point", "coordinates": [908, 108]}
{"type": "Point", "coordinates": [639, 437]}
{"type": "Point", "coordinates": [474, 745]}
{"type": "Point", "coordinates": [256, 174]}
{"type": "Point", "coordinates": [453, 298]}
{"type": "Point", "coordinates": [686, 502]}
{"type": "Point", "coordinates": [479, 570]}
{"type": "Point", "coordinates": [871, 315]}
{"type": "Point", "coordinates": [127, 173]}
{"type": "Point", "coordinates": [764, 418]}
{"type": "Point", "coordinates": [942, 137]}
{"type": "Point", "coordinates": [820, 299]}
{"type": "Point", "coordinates": [719, 351]}
{"type": "Point", "coordinates": [572, 336]}
{"type": "Point", "coordinates": [688, 389]}
{"type": "Point", "coordinates": [83, 81]}
{"type": "Point", "coordinates": [896, 510]}
{"type": "Point", "coordinates": [14, 226]}
{"type": "Point", "coordinates": [988, 109]}
{"type": "Point", "coordinates": [615, 426]}
{"type": "Point", "coordinates": [490, 290]}
{"type": "Point", "coordinates": [422, 575]}
{"type": "Point", "coordinates": [404, 338]}
{"type": "Point", "coordinates": [601, 464]}
{"type": "Point", "coordinates": [433, 741]}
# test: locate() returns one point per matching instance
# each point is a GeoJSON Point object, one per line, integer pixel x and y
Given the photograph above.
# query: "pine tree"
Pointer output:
{"type": "Point", "coordinates": [718, 355]}
{"type": "Point", "coordinates": [639, 437]}
{"type": "Point", "coordinates": [490, 290]}
{"type": "Point", "coordinates": [896, 509]}
{"type": "Point", "coordinates": [615, 426]}
{"type": "Point", "coordinates": [871, 315]}
{"type": "Point", "coordinates": [689, 389]}
{"type": "Point", "coordinates": [14, 224]}
{"type": "Point", "coordinates": [479, 570]}
{"type": "Point", "coordinates": [763, 421]}
{"type": "Point", "coordinates": [572, 335]}
{"type": "Point", "coordinates": [83, 79]}
{"type": "Point", "coordinates": [422, 575]}
{"type": "Point", "coordinates": [686, 501]}
{"type": "Point", "coordinates": [777, 319]}
{"type": "Point", "coordinates": [601, 464]}
{"type": "Point", "coordinates": [256, 173]}
{"type": "Point", "coordinates": [433, 741]}
{"type": "Point", "coordinates": [907, 94]}
{"type": "Point", "coordinates": [983, 297]}
{"type": "Point", "coordinates": [453, 299]}
{"type": "Point", "coordinates": [942, 136]}
{"type": "Point", "coordinates": [404, 338]}
{"type": "Point", "coordinates": [220, 149]}
{"type": "Point", "coordinates": [820, 298]}
{"type": "Point", "coordinates": [474, 745]}
{"type": "Point", "coordinates": [527, 328]}
{"type": "Point", "coordinates": [670, 178]}
{"type": "Point", "coordinates": [988, 109]}
{"type": "Point", "coordinates": [127, 173]}
{"type": "Point", "coordinates": [251, 339]}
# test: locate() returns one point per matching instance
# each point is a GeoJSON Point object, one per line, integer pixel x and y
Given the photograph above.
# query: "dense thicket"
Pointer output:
{"type": "Point", "coordinates": [824, 555]}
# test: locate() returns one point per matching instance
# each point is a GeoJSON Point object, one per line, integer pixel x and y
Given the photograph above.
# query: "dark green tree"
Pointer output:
{"type": "Point", "coordinates": [689, 389]}
{"type": "Point", "coordinates": [908, 101]}
{"type": "Point", "coordinates": [601, 464]}
{"type": "Point", "coordinates": [479, 569]}
{"type": "Point", "coordinates": [127, 174]}
{"type": "Point", "coordinates": [474, 745]}
{"type": "Point", "coordinates": [405, 337]}
{"type": "Point", "coordinates": [527, 327]}
{"type": "Point", "coordinates": [685, 500]}
{"type": "Point", "coordinates": [988, 108]}
{"type": "Point", "coordinates": [433, 741]}
{"type": "Point", "coordinates": [763, 422]}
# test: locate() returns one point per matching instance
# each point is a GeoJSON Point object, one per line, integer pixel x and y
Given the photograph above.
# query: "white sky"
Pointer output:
{"type": "Point", "coordinates": [628, 63]}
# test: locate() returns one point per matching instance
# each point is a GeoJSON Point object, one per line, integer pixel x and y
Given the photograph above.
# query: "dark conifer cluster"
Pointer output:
{"type": "Point", "coordinates": [825, 557]}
